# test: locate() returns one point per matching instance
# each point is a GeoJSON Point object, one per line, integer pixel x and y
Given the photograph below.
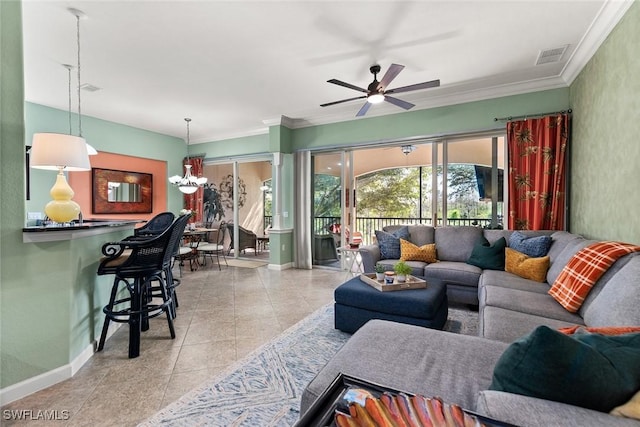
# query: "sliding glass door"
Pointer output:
{"type": "Point", "coordinates": [238, 193]}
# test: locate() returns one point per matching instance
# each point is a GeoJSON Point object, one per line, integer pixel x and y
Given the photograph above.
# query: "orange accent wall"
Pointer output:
{"type": "Point", "coordinates": [81, 183]}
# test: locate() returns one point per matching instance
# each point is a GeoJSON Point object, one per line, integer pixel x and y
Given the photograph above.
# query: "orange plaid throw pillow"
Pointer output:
{"type": "Point", "coordinates": [584, 269]}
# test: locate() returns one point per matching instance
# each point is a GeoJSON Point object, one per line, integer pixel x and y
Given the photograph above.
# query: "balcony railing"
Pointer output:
{"type": "Point", "coordinates": [367, 226]}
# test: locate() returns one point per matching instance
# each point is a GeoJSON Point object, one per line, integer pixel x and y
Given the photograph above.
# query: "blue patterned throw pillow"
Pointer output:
{"type": "Point", "coordinates": [535, 247]}
{"type": "Point", "coordinates": [389, 243]}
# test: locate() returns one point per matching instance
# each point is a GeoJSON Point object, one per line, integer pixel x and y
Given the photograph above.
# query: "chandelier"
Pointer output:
{"type": "Point", "coordinates": [188, 184]}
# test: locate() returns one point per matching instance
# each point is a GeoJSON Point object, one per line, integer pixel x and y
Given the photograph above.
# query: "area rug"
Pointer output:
{"type": "Point", "coordinates": [264, 388]}
{"type": "Point", "coordinates": [243, 263]}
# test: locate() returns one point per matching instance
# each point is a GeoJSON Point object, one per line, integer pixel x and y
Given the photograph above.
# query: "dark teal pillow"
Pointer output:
{"type": "Point", "coordinates": [488, 256]}
{"type": "Point", "coordinates": [590, 370]}
{"type": "Point", "coordinates": [389, 243]}
{"type": "Point", "coordinates": [534, 247]}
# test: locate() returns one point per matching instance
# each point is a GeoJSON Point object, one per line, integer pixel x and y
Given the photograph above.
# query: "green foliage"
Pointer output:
{"type": "Point", "coordinates": [389, 193]}
{"type": "Point", "coordinates": [213, 209]}
{"type": "Point", "coordinates": [379, 268]}
{"type": "Point", "coordinates": [326, 195]}
{"type": "Point", "coordinates": [402, 267]}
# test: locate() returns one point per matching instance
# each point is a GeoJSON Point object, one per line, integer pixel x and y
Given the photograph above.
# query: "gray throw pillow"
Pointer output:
{"type": "Point", "coordinates": [534, 247]}
{"type": "Point", "coordinates": [389, 243]}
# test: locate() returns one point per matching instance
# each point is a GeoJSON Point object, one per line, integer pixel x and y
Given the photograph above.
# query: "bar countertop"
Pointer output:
{"type": "Point", "coordinates": [74, 230]}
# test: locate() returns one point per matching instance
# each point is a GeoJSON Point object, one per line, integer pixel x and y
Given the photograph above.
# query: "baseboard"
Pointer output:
{"type": "Point", "coordinates": [47, 379]}
{"type": "Point", "coordinates": [286, 266]}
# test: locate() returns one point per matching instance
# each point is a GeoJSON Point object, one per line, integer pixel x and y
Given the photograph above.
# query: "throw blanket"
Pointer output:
{"type": "Point", "coordinates": [584, 269]}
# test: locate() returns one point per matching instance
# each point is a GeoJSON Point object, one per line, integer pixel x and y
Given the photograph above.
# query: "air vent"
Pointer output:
{"type": "Point", "coordinates": [551, 55]}
{"type": "Point", "coordinates": [89, 87]}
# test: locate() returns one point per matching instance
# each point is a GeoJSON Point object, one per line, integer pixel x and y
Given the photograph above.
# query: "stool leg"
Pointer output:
{"type": "Point", "coordinates": [135, 319]}
{"type": "Point", "coordinates": [107, 319]}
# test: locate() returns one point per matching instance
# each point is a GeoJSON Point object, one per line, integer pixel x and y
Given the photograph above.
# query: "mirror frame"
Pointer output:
{"type": "Point", "coordinates": [99, 201]}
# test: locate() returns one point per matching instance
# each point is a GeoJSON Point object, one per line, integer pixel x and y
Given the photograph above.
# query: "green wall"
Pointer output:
{"type": "Point", "coordinates": [605, 152]}
{"type": "Point", "coordinates": [103, 136]}
{"type": "Point", "coordinates": [452, 119]}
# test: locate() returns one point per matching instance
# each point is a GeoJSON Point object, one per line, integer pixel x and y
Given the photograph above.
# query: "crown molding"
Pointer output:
{"type": "Point", "coordinates": [606, 20]}
{"type": "Point", "coordinates": [281, 120]}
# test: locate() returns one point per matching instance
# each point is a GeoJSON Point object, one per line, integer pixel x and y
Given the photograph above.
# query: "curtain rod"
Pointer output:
{"type": "Point", "coordinates": [496, 119]}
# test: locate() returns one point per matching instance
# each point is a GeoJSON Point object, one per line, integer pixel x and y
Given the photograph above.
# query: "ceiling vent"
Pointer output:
{"type": "Point", "coordinates": [551, 55]}
{"type": "Point", "coordinates": [89, 87]}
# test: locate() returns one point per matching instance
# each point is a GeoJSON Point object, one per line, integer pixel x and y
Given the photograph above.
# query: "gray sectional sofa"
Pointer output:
{"type": "Point", "coordinates": [459, 368]}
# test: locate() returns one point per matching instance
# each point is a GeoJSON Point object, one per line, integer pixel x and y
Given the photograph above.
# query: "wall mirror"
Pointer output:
{"type": "Point", "coordinates": [121, 192]}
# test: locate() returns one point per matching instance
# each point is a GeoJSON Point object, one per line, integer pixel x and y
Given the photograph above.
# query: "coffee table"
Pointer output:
{"type": "Point", "coordinates": [356, 303]}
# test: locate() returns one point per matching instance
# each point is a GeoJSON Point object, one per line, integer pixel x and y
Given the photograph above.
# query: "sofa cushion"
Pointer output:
{"type": "Point", "coordinates": [533, 246]}
{"type": "Point", "coordinates": [488, 256]}
{"type": "Point", "coordinates": [559, 241]}
{"type": "Point", "coordinates": [561, 259]}
{"type": "Point", "coordinates": [413, 359]}
{"type": "Point", "coordinates": [506, 325]}
{"type": "Point", "coordinates": [389, 243]}
{"type": "Point", "coordinates": [618, 301]}
{"type": "Point", "coordinates": [420, 234]}
{"type": "Point", "coordinates": [454, 272]}
{"type": "Point", "coordinates": [526, 302]}
{"type": "Point", "coordinates": [525, 266]}
{"type": "Point", "coordinates": [524, 410]}
{"type": "Point", "coordinates": [584, 269]}
{"type": "Point", "coordinates": [411, 252]}
{"type": "Point", "coordinates": [456, 243]}
{"type": "Point", "coordinates": [589, 370]}
{"type": "Point", "coordinates": [505, 279]}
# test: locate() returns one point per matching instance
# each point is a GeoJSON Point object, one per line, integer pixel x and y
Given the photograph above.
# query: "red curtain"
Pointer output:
{"type": "Point", "coordinates": [537, 166]}
{"type": "Point", "coordinates": [194, 202]}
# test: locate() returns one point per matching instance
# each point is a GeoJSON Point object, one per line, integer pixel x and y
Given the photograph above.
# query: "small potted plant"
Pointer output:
{"type": "Point", "coordinates": [379, 268]}
{"type": "Point", "coordinates": [402, 269]}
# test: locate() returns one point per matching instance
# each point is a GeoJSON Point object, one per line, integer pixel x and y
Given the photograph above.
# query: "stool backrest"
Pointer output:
{"type": "Point", "coordinates": [177, 230]}
{"type": "Point", "coordinates": [156, 225]}
{"type": "Point", "coordinates": [140, 257]}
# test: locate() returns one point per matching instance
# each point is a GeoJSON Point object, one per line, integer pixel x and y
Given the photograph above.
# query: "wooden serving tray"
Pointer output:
{"type": "Point", "coordinates": [411, 283]}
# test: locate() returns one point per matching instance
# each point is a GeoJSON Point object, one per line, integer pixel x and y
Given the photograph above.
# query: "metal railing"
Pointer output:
{"type": "Point", "coordinates": [367, 225]}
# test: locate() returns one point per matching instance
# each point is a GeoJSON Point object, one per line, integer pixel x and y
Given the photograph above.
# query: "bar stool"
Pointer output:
{"type": "Point", "coordinates": [137, 264]}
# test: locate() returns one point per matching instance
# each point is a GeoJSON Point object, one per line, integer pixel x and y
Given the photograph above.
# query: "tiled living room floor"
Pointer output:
{"type": "Point", "coordinates": [223, 316]}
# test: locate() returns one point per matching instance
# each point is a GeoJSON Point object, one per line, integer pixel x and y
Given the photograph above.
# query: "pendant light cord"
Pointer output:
{"type": "Point", "coordinates": [188, 158]}
{"type": "Point", "coordinates": [68, 67]}
{"type": "Point", "coordinates": [79, 107]}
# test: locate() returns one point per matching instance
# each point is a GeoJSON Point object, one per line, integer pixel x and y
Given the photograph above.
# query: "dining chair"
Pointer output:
{"type": "Point", "coordinates": [215, 247]}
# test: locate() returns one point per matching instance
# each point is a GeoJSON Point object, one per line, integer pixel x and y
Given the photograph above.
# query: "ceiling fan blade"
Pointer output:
{"type": "Point", "coordinates": [349, 85]}
{"type": "Point", "coordinates": [418, 86]}
{"type": "Point", "coordinates": [391, 74]}
{"type": "Point", "coordinates": [343, 100]}
{"type": "Point", "coordinates": [399, 102]}
{"type": "Point", "coordinates": [364, 109]}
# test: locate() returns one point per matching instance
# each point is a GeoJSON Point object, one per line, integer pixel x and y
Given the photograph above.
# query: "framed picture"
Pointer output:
{"type": "Point", "coordinates": [121, 192]}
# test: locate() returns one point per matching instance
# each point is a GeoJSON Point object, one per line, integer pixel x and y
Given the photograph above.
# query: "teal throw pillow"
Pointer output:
{"type": "Point", "coordinates": [594, 371]}
{"type": "Point", "coordinates": [534, 247]}
{"type": "Point", "coordinates": [389, 243]}
{"type": "Point", "coordinates": [488, 256]}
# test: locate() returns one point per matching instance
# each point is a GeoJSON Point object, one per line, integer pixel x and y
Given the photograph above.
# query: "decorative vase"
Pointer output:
{"type": "Point", "coordinates": [401, 278]}
{"type": "Point", "coordinates": [380, 277]}
{"type": "Point", "coordinates": [388, 277]}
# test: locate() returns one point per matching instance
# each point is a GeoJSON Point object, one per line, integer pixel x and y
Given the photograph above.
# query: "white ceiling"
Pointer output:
{"type": "Point", "coordinates": [236, 66]}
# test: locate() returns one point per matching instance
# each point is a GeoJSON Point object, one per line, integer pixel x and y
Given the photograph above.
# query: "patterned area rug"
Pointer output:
{"type": "Point", "coordinates": [264, 388]}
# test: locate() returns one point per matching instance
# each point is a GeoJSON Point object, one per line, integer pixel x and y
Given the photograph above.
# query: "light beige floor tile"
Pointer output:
{"type": "Point", "coordinates": [223, 316]}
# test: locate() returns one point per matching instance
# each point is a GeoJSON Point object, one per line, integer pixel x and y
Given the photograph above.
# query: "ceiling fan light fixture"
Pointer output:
{"type": "Point", "coordinates": [375, 98]}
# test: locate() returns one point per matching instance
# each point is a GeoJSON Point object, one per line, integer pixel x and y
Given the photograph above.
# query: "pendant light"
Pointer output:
{"type": "Point", "coordinates": [188, 184]}
{"type": "Point", "coordinates": [79, 14]}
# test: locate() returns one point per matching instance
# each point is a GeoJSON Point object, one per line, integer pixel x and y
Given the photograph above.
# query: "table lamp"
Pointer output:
{"type": "Point", "coordinates": [54, 151]}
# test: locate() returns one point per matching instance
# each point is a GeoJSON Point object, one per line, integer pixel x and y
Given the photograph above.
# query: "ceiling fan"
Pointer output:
{"type": "Point", "coordinates": [376, 92]}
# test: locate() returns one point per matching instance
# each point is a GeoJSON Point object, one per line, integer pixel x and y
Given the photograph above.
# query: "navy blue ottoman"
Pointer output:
{"type": "Point", "coordinates": [356, 303]}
